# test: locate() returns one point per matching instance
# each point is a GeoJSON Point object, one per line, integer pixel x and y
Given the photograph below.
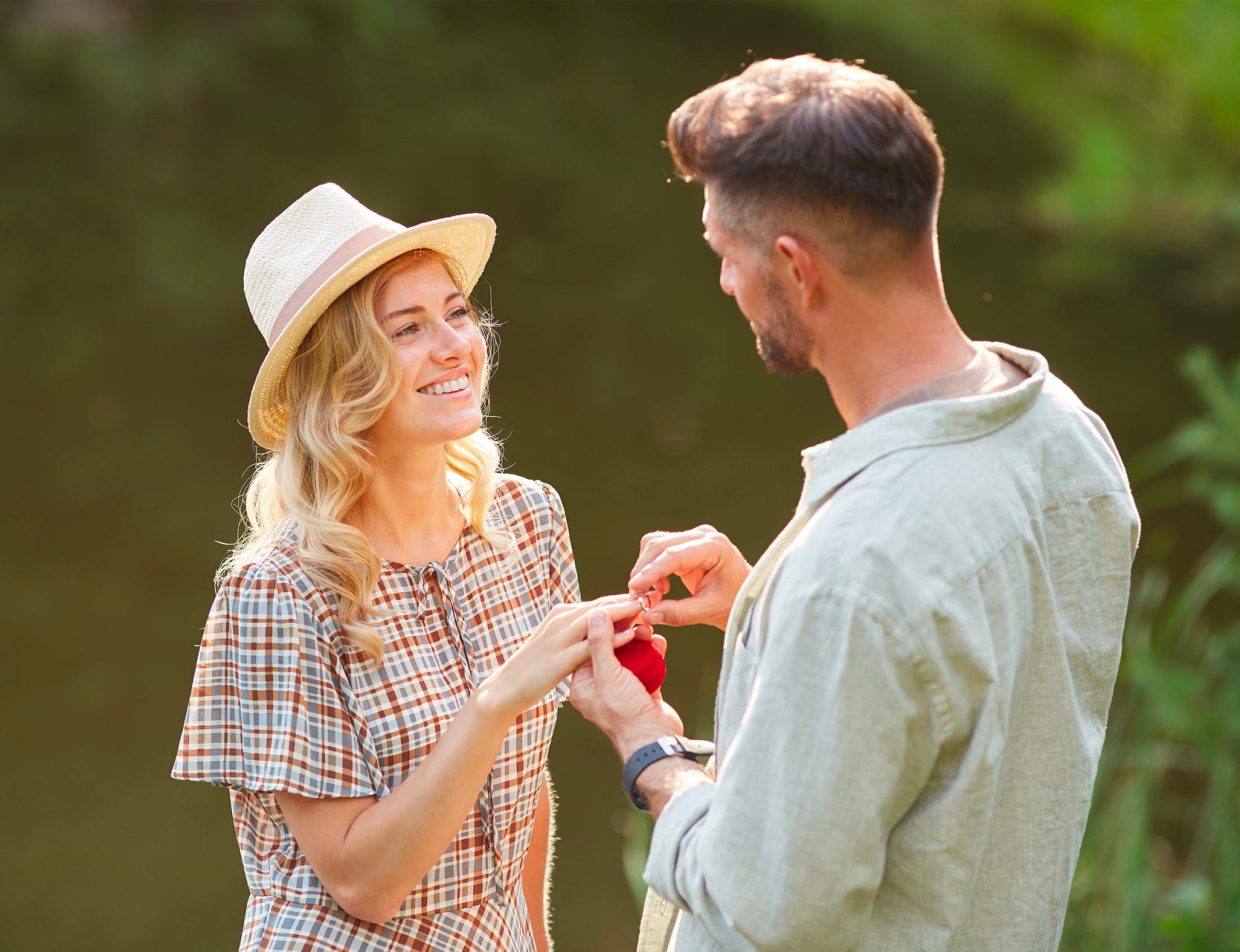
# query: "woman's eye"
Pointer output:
{"type": "Point", "coordinates": [408, 330]}
{"type": "Point", "coordinates": [460, 313]}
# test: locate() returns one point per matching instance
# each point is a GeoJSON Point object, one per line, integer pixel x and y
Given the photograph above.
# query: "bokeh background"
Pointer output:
{"type": "Point", "coordinates": [1092, 211]}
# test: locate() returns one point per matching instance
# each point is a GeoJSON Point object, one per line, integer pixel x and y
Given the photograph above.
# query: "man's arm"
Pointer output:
{"type": "Point", "coordinates": [787, 850]}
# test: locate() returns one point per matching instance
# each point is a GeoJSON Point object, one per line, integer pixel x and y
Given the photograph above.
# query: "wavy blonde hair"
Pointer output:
{"type": "Point", "coordinates": [338, 385]}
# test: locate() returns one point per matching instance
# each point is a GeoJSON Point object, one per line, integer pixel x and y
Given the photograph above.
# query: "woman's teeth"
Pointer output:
{"type": "Point", "coordinates": [447, 386]}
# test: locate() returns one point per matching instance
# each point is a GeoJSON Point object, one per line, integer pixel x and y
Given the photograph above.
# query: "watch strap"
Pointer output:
{"type": "Point", "coordinates": [652, 753]}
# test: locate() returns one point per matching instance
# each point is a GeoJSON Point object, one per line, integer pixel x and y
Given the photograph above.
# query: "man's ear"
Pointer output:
{"type": "Point", "coordinates": [800, 268]}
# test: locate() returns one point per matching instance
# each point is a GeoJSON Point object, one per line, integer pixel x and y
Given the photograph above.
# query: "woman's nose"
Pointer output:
{"type": "Point", "coordinates": [452, 342]}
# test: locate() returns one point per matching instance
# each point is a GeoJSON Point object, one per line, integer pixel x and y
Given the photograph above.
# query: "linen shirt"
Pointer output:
{"type": "Point", "coordinates": [281, 701]}
{"type": "Point", "coordinates": [914, 689]}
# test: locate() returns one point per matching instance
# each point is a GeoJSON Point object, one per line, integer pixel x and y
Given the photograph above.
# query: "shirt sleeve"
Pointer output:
{"type": "Point", "coordinates": [270, 708]}
{"type": "Point", "coordinates": [786, 850]}
{"type": "Point", "coordinates": [562, 585]}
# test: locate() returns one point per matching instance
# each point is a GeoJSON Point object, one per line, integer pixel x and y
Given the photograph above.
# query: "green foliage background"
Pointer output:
{"type": "Point", "coordinates": [1092, 212]}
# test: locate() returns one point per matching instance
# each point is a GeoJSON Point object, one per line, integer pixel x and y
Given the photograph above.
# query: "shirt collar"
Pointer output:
{"type": "Point", "coordinates": [829, 465]}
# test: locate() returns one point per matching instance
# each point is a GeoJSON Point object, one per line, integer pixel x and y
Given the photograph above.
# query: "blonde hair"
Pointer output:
{"type": "Point", "coordinates": [343, 377]}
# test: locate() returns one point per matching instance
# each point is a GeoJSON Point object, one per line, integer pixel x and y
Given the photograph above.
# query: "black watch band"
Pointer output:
{"type": "Point", "coordinates": [643, 757]}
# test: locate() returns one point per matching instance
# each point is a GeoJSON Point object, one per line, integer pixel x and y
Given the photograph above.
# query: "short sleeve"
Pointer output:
{"type": "Point", "coordinates": [270, 708]}
{"type": "Point", "coordinates": [562, 570]}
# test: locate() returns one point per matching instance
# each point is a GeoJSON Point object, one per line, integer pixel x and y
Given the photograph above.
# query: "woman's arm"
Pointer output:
{"type": "Point", "coordinates": [536, 878]}
{"type": "Point", "coordinates": [368, 853]}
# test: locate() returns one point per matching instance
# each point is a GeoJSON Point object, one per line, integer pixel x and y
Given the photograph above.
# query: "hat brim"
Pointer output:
{"type": "Point", "coordinates": [466, 240]}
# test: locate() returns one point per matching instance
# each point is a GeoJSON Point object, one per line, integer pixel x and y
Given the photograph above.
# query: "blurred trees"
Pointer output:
{"type": "Point", "coordinates": [1160, 866]}
{"type": "Point", "coordinates": [1138, 105]}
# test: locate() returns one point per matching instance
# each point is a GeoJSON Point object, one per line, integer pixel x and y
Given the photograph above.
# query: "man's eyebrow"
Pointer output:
{"type": "Point", "coordinates": [418, 308]}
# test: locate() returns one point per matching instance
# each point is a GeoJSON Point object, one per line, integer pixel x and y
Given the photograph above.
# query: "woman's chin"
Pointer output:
{"type": "Point", "coordinates": [456, 430]}
{"type": "Point", "coordinates": [469, 430]}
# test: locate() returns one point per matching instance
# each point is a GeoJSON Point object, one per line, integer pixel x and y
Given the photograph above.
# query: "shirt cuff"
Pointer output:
{"type": "Point", "coordinates": [672, 840]}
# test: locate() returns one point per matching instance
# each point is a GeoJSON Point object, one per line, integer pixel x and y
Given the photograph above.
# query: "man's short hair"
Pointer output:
{"type": "Point", "coordinates": [825, 146]}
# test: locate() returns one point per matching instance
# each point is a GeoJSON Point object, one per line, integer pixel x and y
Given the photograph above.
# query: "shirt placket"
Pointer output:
{"type": "Point", "coordinates": [469, 664]}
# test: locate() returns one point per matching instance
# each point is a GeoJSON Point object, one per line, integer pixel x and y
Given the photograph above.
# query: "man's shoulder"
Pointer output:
{"type": "Point", "coordinates": [923, 517]}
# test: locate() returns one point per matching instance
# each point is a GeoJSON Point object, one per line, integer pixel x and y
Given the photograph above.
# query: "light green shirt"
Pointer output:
{"type": "Point", "coordinates": [914, 690]}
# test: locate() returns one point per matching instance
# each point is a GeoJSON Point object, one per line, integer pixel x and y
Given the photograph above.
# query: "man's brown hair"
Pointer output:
{"type": "Point", "coordinates": [831, 146]}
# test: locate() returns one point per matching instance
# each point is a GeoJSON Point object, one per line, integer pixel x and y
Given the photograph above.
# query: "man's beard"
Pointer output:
{"type": "Point", "coordinates": [783, 345]}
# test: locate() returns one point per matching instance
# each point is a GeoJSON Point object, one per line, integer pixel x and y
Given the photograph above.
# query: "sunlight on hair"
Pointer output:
{"type": "Point", "coordinates": [343, 377]}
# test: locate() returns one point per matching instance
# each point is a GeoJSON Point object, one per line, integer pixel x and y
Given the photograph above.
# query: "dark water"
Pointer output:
{"type": "Point", "coordinates": [141, 158]}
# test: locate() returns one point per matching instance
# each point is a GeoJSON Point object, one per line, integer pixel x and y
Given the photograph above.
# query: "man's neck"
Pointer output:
{"type": "Point", "coordinates": [882, 348]}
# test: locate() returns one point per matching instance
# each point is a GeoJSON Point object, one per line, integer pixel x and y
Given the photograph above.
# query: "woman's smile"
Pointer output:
{"type": "Point", "coordinates": [456, 385]}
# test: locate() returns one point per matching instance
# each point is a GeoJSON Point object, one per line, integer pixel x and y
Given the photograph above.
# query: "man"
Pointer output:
{"type": "Point", "coordinates": [916, 674]}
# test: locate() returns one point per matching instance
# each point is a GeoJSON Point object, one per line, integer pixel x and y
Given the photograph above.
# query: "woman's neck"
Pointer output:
{"type": "Point", "coordinates": [411, 513]}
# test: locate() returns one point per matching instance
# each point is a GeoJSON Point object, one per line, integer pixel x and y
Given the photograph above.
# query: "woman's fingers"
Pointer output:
{"type": "Point", "coordinates": [570, 620]}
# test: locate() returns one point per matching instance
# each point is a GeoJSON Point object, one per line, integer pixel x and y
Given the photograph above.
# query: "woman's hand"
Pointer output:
{"type": "Point", "coordinates": [555, 649]}
{"type": "Point", "coordinates": [370, 853]}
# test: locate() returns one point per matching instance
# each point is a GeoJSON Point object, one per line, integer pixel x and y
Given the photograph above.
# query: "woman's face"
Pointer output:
{"type": "Point", "coordinates": [441, 351]}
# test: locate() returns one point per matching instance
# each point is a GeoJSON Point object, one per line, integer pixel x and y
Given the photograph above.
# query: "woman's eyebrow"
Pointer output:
{"type": "Point", "coordinates": [418, 308]}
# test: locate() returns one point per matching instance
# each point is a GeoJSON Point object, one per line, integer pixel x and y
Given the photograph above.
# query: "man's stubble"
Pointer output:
{"type": "Point", "coordinates": [783, 343]}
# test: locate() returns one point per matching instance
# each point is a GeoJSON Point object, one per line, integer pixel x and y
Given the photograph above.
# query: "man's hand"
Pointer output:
{"type": "Point", "coordinates": [610, 696]}
{"type": "Point", "coordinates": [710, 566]}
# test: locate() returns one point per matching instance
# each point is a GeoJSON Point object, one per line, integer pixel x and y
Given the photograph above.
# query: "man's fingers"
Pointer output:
{"type": "Point", "coordinates": [653, 545]}
{"type": "Point", "coordinates": [600, 637]}
{"type": "Point", "coordinates": [680, 611]}
{"type": "Point", "coordinates": [578, 655]}
{"type": "Point", "coordinates": [660, 644]}
{"type": "Point", "coordinates": [681, 558]}
{"type": "Point", "coordinates": [653, 594]}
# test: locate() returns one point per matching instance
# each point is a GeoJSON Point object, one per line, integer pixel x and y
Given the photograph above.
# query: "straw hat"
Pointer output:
{"type": "Point", "coordinates": [315, 250]}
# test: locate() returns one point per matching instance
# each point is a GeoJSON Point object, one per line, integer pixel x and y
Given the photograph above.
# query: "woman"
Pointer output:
{"type": "Point", "coordinates": [381, 670]}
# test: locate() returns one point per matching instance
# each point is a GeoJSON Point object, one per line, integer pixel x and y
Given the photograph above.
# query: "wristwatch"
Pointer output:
{"type": "Point", "coordinates": [643, 757]}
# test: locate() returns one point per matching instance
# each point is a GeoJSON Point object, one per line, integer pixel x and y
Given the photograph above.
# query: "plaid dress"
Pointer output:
{"type": "Point", "coordinates": [282, 702]}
